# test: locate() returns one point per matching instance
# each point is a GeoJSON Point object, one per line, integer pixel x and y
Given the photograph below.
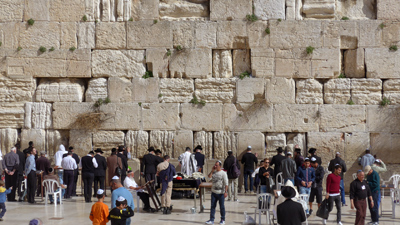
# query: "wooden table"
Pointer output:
{"type": "Point", "coordinates": [203, 186]}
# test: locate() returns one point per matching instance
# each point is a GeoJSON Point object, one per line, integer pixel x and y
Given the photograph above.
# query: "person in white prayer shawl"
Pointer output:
{"type": "Point", "coordinates": [188, 162]}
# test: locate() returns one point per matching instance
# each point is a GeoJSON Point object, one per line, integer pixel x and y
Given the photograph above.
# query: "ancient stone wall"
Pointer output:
{"type": "Point", "coordinates": [221, 73]}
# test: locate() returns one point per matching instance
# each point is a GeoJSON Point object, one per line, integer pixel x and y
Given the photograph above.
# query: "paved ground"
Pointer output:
{"type": "Point", "coordinates": [76, 211]}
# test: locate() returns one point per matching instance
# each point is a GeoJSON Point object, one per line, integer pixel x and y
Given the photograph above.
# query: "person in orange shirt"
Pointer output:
{"type": "Point", "coordinates": [100, 211]}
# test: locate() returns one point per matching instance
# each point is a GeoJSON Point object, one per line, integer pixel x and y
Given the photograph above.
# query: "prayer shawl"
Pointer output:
{"type": "Point", "coordinates": [166, 175]}
{"type": "Point", "coordinates": [188, 163]}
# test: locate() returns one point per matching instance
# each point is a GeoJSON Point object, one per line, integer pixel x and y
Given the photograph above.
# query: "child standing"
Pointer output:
{"type": "Point", "coordinates": [118, 215]}
{"type": "Point", "coordinates": [3, 195]}
{"type": "Point", "coordinates": [99, 212]}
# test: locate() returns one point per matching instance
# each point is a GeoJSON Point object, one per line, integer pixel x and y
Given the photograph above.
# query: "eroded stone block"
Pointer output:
{"type": "Point", "coordinates": [387, 10]}
{"type": "Point", "coordinates": [144, 10]}
{"type": "Point", "coordinates": [318, 9]}
{"type": "Point", "coordinates": [9, 35]}
{"type": "Point", "coordinates": [385, 145]}
{"type": "Point", "coordinates": [357, 10]}
{"type": "Point", "coordinates": [263, 62]}
{"type": "Point", "coordinates": [309, 92]}
{"type": "Point", "coordinates": [150, 34]}
{"type": "Point", "coordinates": [67, 11]}
{"type": "Point", "coordinates": [380, 119]}
{"type": "Point", "coordinates": [280, 90]}
{"type": "Point", "coordinates": [337, 91]}
{"type": "Point", "coordinates": [206, 35]}
{"type": "Point", "coordinates": [269, 9]}
{"type": "Point", "coordinates": [294, 139]}
{"type": "Point", "coordinates": [295, 118]}
{"type": "Point", "coordinates": [138, 141]}
{"type": "Point", "coordinates": [11, 10]}
{"type": "Point", "coordinates": [16, 90]}
{"type": "Point", "coordinates": [230, 9]}
{"type": "Point", "coordinates": [342, 118]}
{"type": "Point", "coordinates": [111, 36]}
{"type": "Point", "coordinates": [196, 117]}
{"type": "Point", "coordinates": [8, 139]}
{"type": "Point", "coordinates": [97, 88]}
{"type": "Point", "coordinates": [257, 116]}
{"type": "Point", "coordinates": [223, 142]}
{"type": "Point", "coordinates": [366, 91]}
{"type": "Point", "coordinates": [249, 89]}
{"type": "Point", "coordinates": [241, 62]}
{"type": "Point", "coordinates": [106, 140]}
{"type": "Point", "coordinates": [81, 140]}
{"type": "Point", "coordinates": [160, 116]}
{"type": "Point", "coordinates": [232, 35]}
{"type": "Point", "coordinates": [385, 66]}
{"type": "Point", "coordinates": [86, 35]}
{"type": "Point", "coordinates": [391, 90]}
{"type": "Point", "coordinates": [145, 90]}
{"type": "Point", "coordinates": [38, 136]}
{"type": "Point", "coordinates": [157, 61]}
{"type": "Point", "coordinates": [191, 63]}
{"type": "Point", "coordinates": [38, 115]}
{"type": "Point", "coordinates": [176, 90]}
{"type": "Point", "coordinates": [354, 65]}
{"type": "Point", "coordinates": [308, 33]}
{"type": "Point", "coordinates": [183, 139]}
{"type": "Point", "coordinates": [41, 34]}
{"type": "Point", "coordinates": [183, 34]}
{"type": "Point", "coordinates": [162, 140]}
{"type": "Point", "coordinates": [184, 9]}
{"type": "Point", "coordinates": [274, 140]}
{"type": "Point", "coordinates": [327, 144]}
{"type": "Point", "coordinates": [222, 63]}
{"type": "Point", "coordinates": [215, 90]}
{"type": "Point", "coordinates": [63, 90]}
{"type": "Point", "coordinates": [254, 139]}
{"type": "Point", "coordinates": [258, 37]}
{"type": "Point", "coordinates": [205, 140]}
{"type": "Point", "coordinates": [12, 115]}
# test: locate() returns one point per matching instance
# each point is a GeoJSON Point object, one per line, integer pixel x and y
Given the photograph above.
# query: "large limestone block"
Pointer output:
{"type": "Point", "coordinates": [293, 63]}
{"type": "Point", "coordinates": [280, 90]}
{"type": "Point", "coordinates": [97, 88]}
{"type": "Point", "coordinates": [206, 35]}
{"type": "Point", "coordinates": [81, 140]}
{"type": "Point", "coordinates": [9, 35]}
{"type": "Point", "coordinates": [269, 9]}
{"type": "Point", "coordinates": [138, 141]}
{"type": "Point", "coordinates": [331, 37]}
{"type": "Point", "coordinates": [337, 91]}
{"type": "Point", "coordinates": [8, 139]}
{"type": "Point", "coordinates": [40, 34]}
{"type": "Point", "coordinates": [349, 34]}
{"type": "Point", "coordinates": [67, 11]}
{"type": "Point", "coordinates": [327, 144]}
{"type": "Point", "coordinates": [16, 90]}
{"type": "Point", "coordinates": [111, 36]}
{"type": "Point", "coordinates": [366, 91]}
{"type": "Point", "coordinates": [215, 90]}
{"type": "Point", "coordinates": [385, 145]}
{"type": "Point", "coordinates": [232, 35]}
{"type": "Point", "coordinates": [205, 140]}
{"type": "Point", "coordinates": [86, 35]}
{"type": "Point", "coordinates": [37, 9]}
{"type": "Point", "coordinates": [263, 62]}
{"type": "Point", "coordinates": [370, 34]}
{"type": "Point", "coordinates": [223, 142]}
{"type": "Point", "coordinates": [249, 89]}
{"type": "Point", "coordinates": [120, 89]}
{"type": "Point", "coordinates": [342, 118]}
{"type": "Point", "coordinates": [197, 117]}
{"type": "Point", "coordinates": [106, 140]}
{"type": "Point", "coordinates": [162, 140]}
{"type": "Point", "coordinates": [176, 90]}
{"type": "Point", "coordinates": [354, 64]}
{"type": "Point", "coordinates": [191, 63]}
{"type": "Point", "coordinates": [38, 136]}
{"type": "Point", "coordinates": [391, 91]}
{"type": "Point", "coordinates": [241, 61]}
{"type": "Point", "coordinates": [254, 139]}
{"type": "Point", "coordinates": [38, 115]}
{"type": "Point", "coordinates": [355, 145]}
{"type": "Point", "coordinates": [294, 139]}
{"type": "Point", "coordinates": [181, 9]}
{"type": "Point", "coordinates": [12, 115]}
{"type": "Point", "coordinates": [385, 66]}
{"type": "Point", "coordinates": [150, 34]}
{"type": "Point", "coordinates": [11, 10]}
{"type": "Point", "coordinates": [54, 138]}
{"type": "Point", "coordinates": [357, 9]}
{"type": "Point", "coordinates": [382, 119]}
{"type": "Point", "coordinates": [222, 63]}
{"type": "Point", "coordinates": [258, 38]}
{"type": "Point", "coordinates": [118, 63]}
{"type": "Point", "coordinates": [309, 92]}
{"type": "Point", "coordinates": [68, 35]}
{"type": "Point", "coordinates": [145, 90]}
{"type": "Point", "coordinates": [308, 33]}
{"type": "Point", "coordinates": [318, 9]}
{"type": "Point", "coordinates": [387, 10]}
{"type": "Point", "coordinates": [296, 118]}
{"type": "Point", "coordinates": [326, 63]}
{"type": "Point", "coordinates": [62, 90]}
{"type": "Point", "coordinates": [160, 116]}
{"type": "Point", "coordinates": [183, 139]}
{"type": "Point", "coordinates": [258, 116]}
{"type": "Point", "coordinates": [230, 9]}
{"type": "Point", "coordinates": [391, 33]}
{"type": "Point", "coordinates": [183, 34]}
{"type": "Point", "coordinates": [144, 10]}
{"type": "Point", "coordinates": [274, 140]}
{"type": "Point", "coordinates": [157, 61]}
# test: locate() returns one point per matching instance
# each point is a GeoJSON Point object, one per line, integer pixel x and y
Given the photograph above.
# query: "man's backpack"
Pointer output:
{"type": "Point", "coordinates": [234, 170]}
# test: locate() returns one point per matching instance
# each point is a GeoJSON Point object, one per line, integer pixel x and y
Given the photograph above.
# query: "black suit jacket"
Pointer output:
{"type": "Point", "coordinates": [100, 171]}
{"type": "Point", "coordinates": [124, 163]}
{"type": "Point", "coordinates": [290, 213]}
{"type": "Point", "coordinates": [22, 161]}
{"type": "Point", "coordinates": [277, 161]}
{"type": "Point", "coordinates": [200, 159]}
{"type": "Point", "coordinates": [149, 163]}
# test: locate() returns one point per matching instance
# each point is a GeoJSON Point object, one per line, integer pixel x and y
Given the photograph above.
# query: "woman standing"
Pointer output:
{"type": "Point", "coordinates": [265, 173]}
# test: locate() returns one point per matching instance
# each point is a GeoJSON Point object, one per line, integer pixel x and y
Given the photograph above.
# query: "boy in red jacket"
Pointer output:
{"type": "Point", "coordinates": [333, 192]}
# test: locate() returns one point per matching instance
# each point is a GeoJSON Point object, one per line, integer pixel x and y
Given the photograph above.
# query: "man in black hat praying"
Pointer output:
{"type": "Point", "coordinates": [290, 212]}
{"type": "Point", "coordinates": [100, 171]}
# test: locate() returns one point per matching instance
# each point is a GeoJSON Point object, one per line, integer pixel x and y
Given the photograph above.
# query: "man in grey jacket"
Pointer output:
{"type": "Point", "coordinates": [288, 168]}
{"type": "Point", "coordinates": [367, 159]}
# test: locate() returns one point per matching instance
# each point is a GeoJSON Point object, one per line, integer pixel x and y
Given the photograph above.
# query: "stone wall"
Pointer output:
{"type": "Point", "coordinates": [313, 73]}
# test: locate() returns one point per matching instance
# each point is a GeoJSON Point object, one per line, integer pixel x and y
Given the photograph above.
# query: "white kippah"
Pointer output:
{"type": "Point", "coordinates": [100, 191]}
{"type": "Point", "coordinates": [115, 178]}
{"type": "Point", "coordinates": [249, 146]}
{"type": "Point", "coordinates": [120, 199]}
{"type": "Point", "coordinates": [313, 159]}
{"type": "Point", "coordinates": [337, 153]}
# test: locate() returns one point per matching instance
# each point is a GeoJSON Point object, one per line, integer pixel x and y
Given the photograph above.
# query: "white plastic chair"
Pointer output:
{"type": "Point", "coordinates": [303, 200]}
{"type": "Point", "coordinates": [49, 190]}
{"type": "Point", "coordinates": [396, 180]}
{"type": "Point", "coordinates": [135, 195]}
{"type": "Point", "coordinates": [395, 196]}
{"type": "Point", "coordinates": [279, 184]}
{"type": "Point", "coordinates": [264, 202]}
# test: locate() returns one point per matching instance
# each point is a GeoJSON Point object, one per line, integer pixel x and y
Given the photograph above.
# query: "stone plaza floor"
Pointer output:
{"type": "Point", "coordinates": [76, 212]}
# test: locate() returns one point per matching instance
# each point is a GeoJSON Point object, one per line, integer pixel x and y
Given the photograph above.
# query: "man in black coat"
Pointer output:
{"type": "Point", "coordinates": [148, 167]}
{"type": "Point", "coordinates": [229, 161]}
{"type": "Point", "coordinates": [100, 171]}
{"type": "Point", "coordinates": [89, 164]}
{"type": "Point", "coordinates": [290, 212]}
{"type": "Point", "coordinates": [316, 187]}
{"type": "Point", "coordinates": [277, 161]}
{"type": "Point", "coordinates": [124, 160]}
{"type": "Point", "coordinates": [21, 168]}
{"type": "Point", "coordinates": [332, 164]}
{"type": "Point", "coordinates": [249, 160]}
{"type": "Point", "coordinates": [199, 158]}
{"type": "Point", "coordinates": [312, 154]}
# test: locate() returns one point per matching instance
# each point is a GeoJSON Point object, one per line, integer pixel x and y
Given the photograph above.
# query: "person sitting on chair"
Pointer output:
{"type": "Point", "coordinates": [290, 212]}
{"type": "Point", "coordinates": [52, 176]}
{"type": "Point", "coordinates": [131, 185]}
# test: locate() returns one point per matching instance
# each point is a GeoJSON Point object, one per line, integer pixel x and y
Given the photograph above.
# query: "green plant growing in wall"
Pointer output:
{"type": "Point", "coordinates": [140, 104]}
{"type": "Point", "coordinates": [268, 31]}
{"type": "Point", "coordinates": [1, 43]}
{"type": "Point", "coordinates": [393, 48]}
{"type": "Point", "coordinates": [51, 49]}
{"type": "Point", "coordinates": [131, 19]}
{"type": "Point", "coordinates": [179, 48]}
{"type": "Point", "coordinates": [160, 95]}
{"type": "Point", "coordinates": [148, 74]}
{"type": "Point", "coordinates": [382, 25]}
{"type": "Point", "coordinates": [155, 21]}
{"type": "Point", "coordinates": [385, 101]}
{"type": "Point", "coordinates": [342, 75]}
{"type": "Point", "coordinates": [197, 102]}
{"type": "Point", "coordinates": [244, 74]}
{"type": "Point", "coordinates": [72, 49]}
{"type": "Point", "coordinates": [310, 50]}
{"type": "Point", "coordinates": [279, 20]}
{"type": "Point", "coordinates": [350, 102]}
{"type": "Point", "coordinates": [96, 21]}
{"type": "Point", "coordinates": [251, 18]}
{"type": "Point", "coordinates": [345, 18]}
{"type": "Point", "coordinates": [101, 102]}
{"type": "Point", "coordinates": [169, 52]}
{"type": "Point", "coordinates": [42, 49]}
{"type": "Point", "coordinates": [31, 22]}
{"type": "Point", "coordinates": [19, 48]}
{"type": "Point", "coordinates": [84, 18]}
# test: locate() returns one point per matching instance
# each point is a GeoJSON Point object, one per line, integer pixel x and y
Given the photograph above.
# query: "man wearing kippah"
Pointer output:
{"type": "Point", "coordinates": [120, 191]}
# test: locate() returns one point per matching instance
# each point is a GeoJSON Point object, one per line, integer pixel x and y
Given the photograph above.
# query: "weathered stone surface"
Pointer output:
{"type": "Point", "coordinates": [12, 115]}
{"type": "Point", "coordinates": [366, 91]}
{"type": "Point", "coordinates": [86, 35]}
{"type": "Point", "coordinates": [150, 34]}
{"type": "Point", "coordinates": [183, 139]}
{"type": "Point", "coordinates": [318, 9]}
{"type": "Point", "coordinates": [110, 36]}
{"type": "Point", "coordinates": [263, 62]}
{"type": "Point", "coordinates": [325, 63]}
{"type": "Point", "coordinates": [232, 35]}
{"type": "Point", "coordinates": [8, 139]}
{"type": "Point", "coordinates": [230, 9]}
{"type": "Point", "coordinates": [38, 9]}
{"type": "Point", "coordinates": [295, 118]}
{"type": "Point", "coordinates": [160, 116]}
{"type": "Point", "coordinates": [162, 140]}
{"type": "Point", "coordinates": [183, 34]}
{"type": "Point", "coordinates": [157, 61]}
{"type": "Point", "coordinates": [342, 118]}
{"type": "Point", "coordinates": [355, 145]}
{"type": "Point", "coordinates": [391, 90]}
{"type": "Point", "coordinates": [258, 37]}
{"type": "Point", "coordinates": [249, 89]}
{"type": "Point", "coordinates": [258, 116]}
{"type": "Point", "coordinates": [349, 34]}
{"type": "Point", "coordinates": [254, 139]}
{"type": "Point", "coordinates": [241, 61]}
{"type": "Point", "coordinates": [63, 11]}
{"type": "Point", "coordinates": [293, 63]}
{"type": "Point", "coordinates": [380, 119]}
{"type": "Point", "coordinates": [215, 90]}
{"type": "Point", "coordinates": [191, 63]}
{"type": "Point", "coordinates": [63, 90]}
{"type": "Point", "coordinates": [223, 142]}
{"type": "Point", "coordinates": [337, 91]}
{"type": "Point", "coordinates": [183, 9]}
{"type": "Point", "coordinates": [354, 65]}
{"type": "Point", "coordinates": [390, 33]}
{"type": "Point", "coordinates": [294, 139]}
{"type": "Point", "coordinates": [41, 34]}
{"type": "Point", "coordinates": [280, 90]}
{"type": "Point", "coordinates": [206, 35]}
{"type": "Point", "coordinates": [106, 140]}
{"type": "Point", "coordinates": [357, 10]}
{"type": "Point", "coordinates": [269, 9]}
{"type": "Point", "coordinates": [205, 140]}
{"type": "Point", "coordinates": [38, 136]}
{"type": "Point", "coordinates": [54, 138]}
{"type": "Point", "coordinates": [274, 140]}
{"type": "Point", "coordinates": [144, 10]}
{"type": "Point", "coordinates": [385, 145]}
{"type": "Point", "coordinates": [68, 35]}
{"type": "Point", "coordinates": [138, 141]}
{"type": "Point", "coordinates": [120, 89]}
{"type": "Point", "coordinates": [38, 115]}
{"type": "Point", "coordinates": [9, 33]}
{"type": "Point", "coordinates": [81, 140]}
{"type": "Point", "coordinates": [385, 66]}
{"type": "Point", "coordinates": [176, 90]}
{"type": "Point", "coordinates": [327, 144]}
{"type": "Point", "coordinates": [331, 37]}
{"type": "Point", "coordinates": [308, 33]}
{"type": "Point", "coordinates": [196, 117]}
{"type": "Point", "coordinates": [370, 34]}
{"type": "Point", "coordinates": [11, 10]}
{"type": "Point", "coordinates": [97, 88]}
{"type": "Point", "coordinates": [16, 90]}
{"type": "Point", "coordinates": [118, 63]}
{"type": "Point", "coordinates": [145, 90]}
{"type": "Point", "coordinates": [309, 92]}
{"type": "Point", "coordinates": [388, 10]}
{"type": "Point", "coordinates": [222, 63]}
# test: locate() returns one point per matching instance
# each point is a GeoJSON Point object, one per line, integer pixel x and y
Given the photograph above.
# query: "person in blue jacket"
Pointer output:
{"type": "Point", "coordinates": [305, 177]}
{"type": "Point", "coordinates": [3, 196]}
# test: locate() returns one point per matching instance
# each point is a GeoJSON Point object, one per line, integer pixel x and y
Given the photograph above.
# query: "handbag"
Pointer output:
{"type": "Point", "coordinates": [118, 170]}
{"type": "Point", "coordinates": [323, 210]}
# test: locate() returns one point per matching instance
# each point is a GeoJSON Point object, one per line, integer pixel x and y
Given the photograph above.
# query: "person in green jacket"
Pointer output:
{"type": "Point", "coordinates": [373, 180]}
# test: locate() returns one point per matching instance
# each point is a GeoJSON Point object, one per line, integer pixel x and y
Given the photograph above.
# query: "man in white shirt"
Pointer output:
{"type": "Point", "coordinates": [131, 185]}
{"type": "Point", "coordinates": [69, 165]}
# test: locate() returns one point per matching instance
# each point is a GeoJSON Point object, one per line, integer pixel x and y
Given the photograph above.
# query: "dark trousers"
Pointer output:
{"type": "Point", "coordinates": [214, 199]}
{"type": "Point", "coordinates": [97, 180]}
{"type": "Point", "coordinates": [338, 204]}
{"type": "Point", "coordinates": [123, 176]}
{"type": "Point", "coordinates": [11, 181]}
{"type": "Point", "coordinates": [361, 207]}
{"type": "Point", "coordinates": [3, 209]}
{"type": "Point", "coordinates": [32, 181]}
{"type": "Point", "coordinates": [69, 181]}
{"type": "Point", "coordinates": [247, 173]}
{"type": "Point", "coordinates": [145, 199]}
{"type": "Point", "coordinates": [87, 185]}
{"type": "Point", "coordinates": [375, 210]}
{"type": "Point", "coordinates": [75, 181]}
{"type": "Point", "coordinates": [39, 187]}
{"type": "Point", "coordinates": [150, 176]}
{"type": "Point", "coordinates": [20, 179]}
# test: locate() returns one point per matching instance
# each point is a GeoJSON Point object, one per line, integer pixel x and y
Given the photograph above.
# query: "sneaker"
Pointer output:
{"type": "Point", "coordinates": [222, 222]}
{"type": "Point", "coordinates": [310, 212]}
{"type": "Point", "coordinates": [210, 222]}
{"type": "Point", "coordinates": [324, 221]}
{"type": "Point", "coordinates": [339, 223]}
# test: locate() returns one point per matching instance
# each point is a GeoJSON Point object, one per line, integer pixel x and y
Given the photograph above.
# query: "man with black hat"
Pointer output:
{"type": "Point", "coordinates": [288, 168]}
{"type": "Point", "coordinates": [88, 164]}
{"type": "Point", "coordinates": [228, 166]}
{"type": "Point", "coordinates": [290, 212]}
{"type": "Point", "coordinates": [316, 187]}
{"type": "Point", "coordinates": [148, 167]}
{"type": "Point", "coordinates": [331, 167]}
{"type": "Point", "coordinates": [124, 160]}
{"type": "Point", "coordinates": [199, 158]}
{"type": "Point", "coordinates": [76, 171]}
{"type": "Point", "coordinates": [298, 158]}
{"type": "Point", "coordinates": [312, 154]}
{"type": "Point", "coordinates": [277, 161]}
{"type": "Point", "coordinates": [100, 171]}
